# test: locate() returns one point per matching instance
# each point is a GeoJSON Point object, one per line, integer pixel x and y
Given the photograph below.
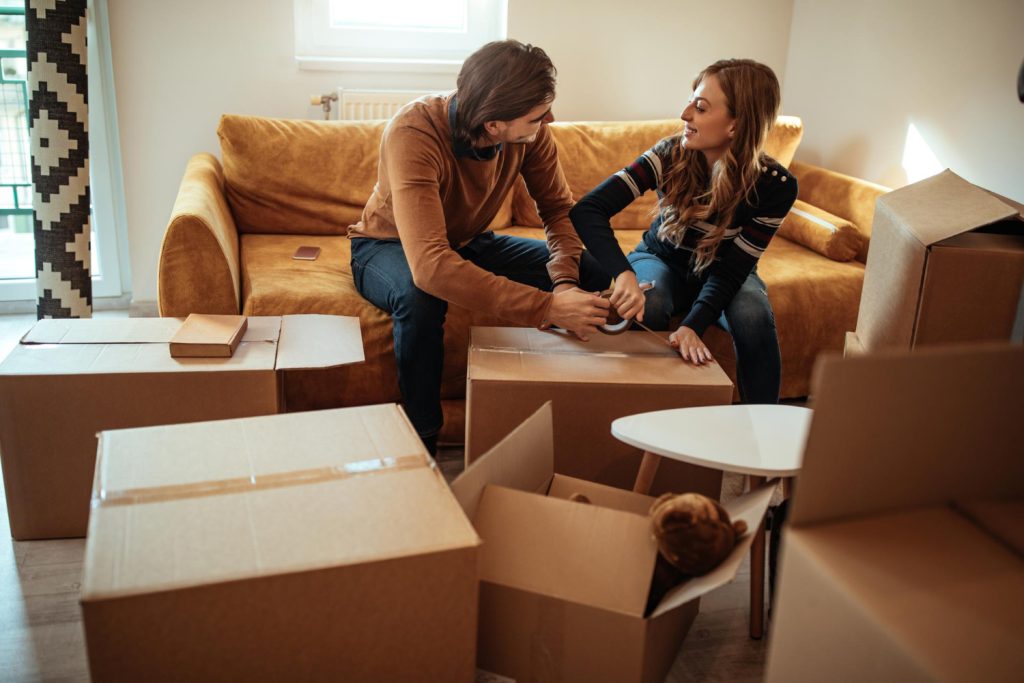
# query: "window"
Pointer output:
{"type": "Point", "coordinates": [394, 35]}
{"type": "Point", "coordinates": [17, 240]}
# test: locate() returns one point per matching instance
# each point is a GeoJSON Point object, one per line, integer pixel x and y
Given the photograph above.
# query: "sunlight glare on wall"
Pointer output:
{"type": "Point", "coordinates": [919, 161]}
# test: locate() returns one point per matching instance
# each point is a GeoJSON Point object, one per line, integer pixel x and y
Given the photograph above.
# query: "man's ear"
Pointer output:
{"type": "Point", "coordinates": [493, 128]}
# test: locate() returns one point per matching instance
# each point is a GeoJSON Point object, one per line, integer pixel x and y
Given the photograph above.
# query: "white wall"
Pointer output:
{"type": "Point", "coordinates": [179, 65]}
{"type": "Point", "coordinates": [860, 73]}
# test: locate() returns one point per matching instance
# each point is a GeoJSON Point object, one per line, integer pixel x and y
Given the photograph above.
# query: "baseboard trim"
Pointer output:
{"type": "Point", "coordinates": [104, 303]}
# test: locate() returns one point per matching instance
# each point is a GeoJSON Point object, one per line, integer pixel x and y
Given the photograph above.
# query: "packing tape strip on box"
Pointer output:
{"type": "Point", "coordinates": [596, 354]}
{"type": "Point", "coordinates": [159, 494]}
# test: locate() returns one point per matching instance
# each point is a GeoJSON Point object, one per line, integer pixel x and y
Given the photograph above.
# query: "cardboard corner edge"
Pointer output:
{"type": "Point", "coordinates": [525, 456]}
{"type": "Point", "coordinates": [751, 508]}
{"type": "Point", "coordinates": [342, 332]}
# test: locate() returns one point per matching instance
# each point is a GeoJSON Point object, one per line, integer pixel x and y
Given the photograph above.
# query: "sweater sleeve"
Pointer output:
{"type": "Point", "coordinates": [415, 168]}
{"type": "Point", "coordinates": [738, 257]}
{"type": "Point", "coordinates": [546, 184]}
{"type": "Point", "coordinates": [592, 215]}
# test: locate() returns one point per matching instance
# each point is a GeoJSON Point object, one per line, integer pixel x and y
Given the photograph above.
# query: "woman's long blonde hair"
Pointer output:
{"type": "Point", "coordinates": [752, 95]}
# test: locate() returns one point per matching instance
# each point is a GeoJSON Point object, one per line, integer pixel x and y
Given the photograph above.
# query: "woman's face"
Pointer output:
{"type": "Point", "coordinates": [709, 125]}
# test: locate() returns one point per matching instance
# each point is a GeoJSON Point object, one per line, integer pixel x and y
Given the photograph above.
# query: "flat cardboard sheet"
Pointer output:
{"type": "Point", "coordinates": [296, 352]}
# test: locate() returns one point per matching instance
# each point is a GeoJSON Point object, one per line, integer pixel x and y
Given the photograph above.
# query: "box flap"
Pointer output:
{"type": "Point", "coordinates": [636, 358]}
{"type": "Point", "coordinates": [132, 330]}
{"type": "Point", "coordinates": [896, 430]}
{"type": "Point", "coordinates": [943, 206]}
{"type": "Point", "coordinates": [102, 331]}
{"type": "Point", "coordinates": [919, 590]}
{"type": "Point", "coordinates": [114, 359]}
{"type": "Point", "coordinates": [573, 551]}
{"type": "Point", "coordinates": [523, 460]}
{"type": "Point", "coordinates": [751, 508]}
{"type": "Point", "coordinates": [319, 341]}
{"type": "Point", "coordinates": [208, 502]}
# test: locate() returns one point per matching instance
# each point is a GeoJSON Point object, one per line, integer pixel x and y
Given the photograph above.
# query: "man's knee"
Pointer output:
{"type": "Point", "coordinates": [416, 306]}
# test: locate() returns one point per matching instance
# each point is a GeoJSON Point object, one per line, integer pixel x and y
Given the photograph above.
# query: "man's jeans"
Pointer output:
{"type": "Point", "coordinates": [748, 318]}
{"type": "Point", "coordinates": [381, 273]}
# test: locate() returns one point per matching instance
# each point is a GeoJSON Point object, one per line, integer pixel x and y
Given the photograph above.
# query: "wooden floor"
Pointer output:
{"type": "Point", "coordinates": [41, 631]}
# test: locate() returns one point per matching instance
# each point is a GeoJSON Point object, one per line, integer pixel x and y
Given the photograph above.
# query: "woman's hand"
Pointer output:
{"type": "Point", "coordinates": [627, 297]}
{"type": "Point", "coordinates": [690, 346]}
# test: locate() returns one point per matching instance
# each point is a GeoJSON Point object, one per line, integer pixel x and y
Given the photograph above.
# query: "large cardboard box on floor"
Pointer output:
{"type": "Point", "coordinates": [563, 584]}
{"type": "Point", "coordinates": [946, 264]}
{"type": "Point", "coordinates": [308, 546]}
{"type": "Point", "coordinates": [902, 559]}
{"type": "Point", "coordinates": [513, 371]}
{"type": "Point", "coordinates": [70, 379]}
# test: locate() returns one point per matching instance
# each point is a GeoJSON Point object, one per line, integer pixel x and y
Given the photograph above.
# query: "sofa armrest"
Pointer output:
{"type": "Point", "coordinates": [845, 196]}
{"type": "Point", "coordinates": [199, 261]}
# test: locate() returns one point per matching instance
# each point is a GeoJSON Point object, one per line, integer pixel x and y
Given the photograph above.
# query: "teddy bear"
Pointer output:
{"type": "Point", "coordinates": [694, 535]}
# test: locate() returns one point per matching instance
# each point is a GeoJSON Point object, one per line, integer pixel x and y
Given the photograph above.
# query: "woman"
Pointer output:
{"type": "Point", "coordinates": [721, 199]}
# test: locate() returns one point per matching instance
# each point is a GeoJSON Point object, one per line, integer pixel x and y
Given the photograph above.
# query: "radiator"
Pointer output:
{"type": "Point", "coordinates": [356, 105]}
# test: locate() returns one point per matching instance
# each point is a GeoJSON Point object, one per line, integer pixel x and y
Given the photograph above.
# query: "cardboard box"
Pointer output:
{"type": "Point", "coordinates": [308, 546]}
{"type": "Point", "coordinates": [208, 336]}
{"type": "Point", "coordinates": [852, 346]}
{"type": "Point", "coordinates": [946, 264]}
{"type": "Point", "coordinates": [883, 575]}
{"type": "Point", "coordinates": [514, 371]}
{"type": "Point", "coordinates": [70, 379]}
{"type": "Point", "coordinates": [564, 585]}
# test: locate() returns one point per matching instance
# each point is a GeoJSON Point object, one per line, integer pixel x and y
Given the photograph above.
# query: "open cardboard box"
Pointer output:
{"type": "Point", "coordinates": [513, 371]}
{"type": "Point", "coordinates": [946, 264]}
{"type": "Point", "coordinates": [902, 559]}
{"type": "Point", "coordinates": [70, 379]}
{"type": "Point", "coordinates": [564, 585]}
{"type": "Point", "coordinates": [309, 546]}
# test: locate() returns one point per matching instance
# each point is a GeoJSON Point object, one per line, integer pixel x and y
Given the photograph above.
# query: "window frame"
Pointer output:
{"type": "Point", "coordinates": [320, 47]}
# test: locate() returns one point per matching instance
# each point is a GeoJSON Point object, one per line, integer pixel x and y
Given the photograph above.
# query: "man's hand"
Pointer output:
{"type": "Point", "coordinates": [627, 296]}
{"type": "Point", "coordinates": [577, 311]}
{"type": "Point", "coordinates": [690, 346]}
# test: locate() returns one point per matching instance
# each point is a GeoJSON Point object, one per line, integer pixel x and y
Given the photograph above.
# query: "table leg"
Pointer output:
{"type": "Point", "coordinates": [757, 573]}
{"type": "Point", "coordinates": [648, 469]}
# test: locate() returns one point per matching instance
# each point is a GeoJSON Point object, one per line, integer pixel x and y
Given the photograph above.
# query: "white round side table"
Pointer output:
{"type": "Point", "coordinates": [760, 441]}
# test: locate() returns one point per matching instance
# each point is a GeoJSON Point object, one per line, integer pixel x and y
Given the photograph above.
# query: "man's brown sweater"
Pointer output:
{"type": "Point", "coordinates": [436, 201]}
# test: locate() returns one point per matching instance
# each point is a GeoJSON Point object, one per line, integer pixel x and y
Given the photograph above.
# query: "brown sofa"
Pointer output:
{"type": "Point", "coordinates": [282, 184]}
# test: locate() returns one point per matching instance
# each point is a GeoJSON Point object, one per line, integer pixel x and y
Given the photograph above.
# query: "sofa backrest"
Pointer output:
{"type": "Point", "coordinates": [592, 151]}
{"type": "Point", "coordinates": [285, 176]}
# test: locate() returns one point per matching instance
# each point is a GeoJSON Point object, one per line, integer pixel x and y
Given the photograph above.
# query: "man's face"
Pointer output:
{"type": "Point", "coordinates": [523, 129]}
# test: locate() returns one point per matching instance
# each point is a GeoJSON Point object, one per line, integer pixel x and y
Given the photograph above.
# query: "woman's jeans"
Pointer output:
{"type": "Point", "coordinates": [748, 319]}
{"type": "Point", "coordinates": [381, 273]}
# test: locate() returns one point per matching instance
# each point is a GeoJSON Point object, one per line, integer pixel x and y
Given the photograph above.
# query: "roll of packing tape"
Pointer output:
{"type": "Point", "coordinates": [616, 324]}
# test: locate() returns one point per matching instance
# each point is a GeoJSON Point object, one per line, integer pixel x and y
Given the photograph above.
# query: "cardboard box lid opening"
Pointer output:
{"type": "Point", "coordinates": [591, 554]}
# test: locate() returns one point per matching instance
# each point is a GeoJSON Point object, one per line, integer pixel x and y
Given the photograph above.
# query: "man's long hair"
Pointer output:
{"type": "Point", "coordinates": [501, 81]}
{"type": "Point", "coordinates": [692, 192]}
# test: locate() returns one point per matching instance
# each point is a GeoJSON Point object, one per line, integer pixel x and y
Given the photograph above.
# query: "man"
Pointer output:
{"type": "Point", "coordinates": [446, 165]}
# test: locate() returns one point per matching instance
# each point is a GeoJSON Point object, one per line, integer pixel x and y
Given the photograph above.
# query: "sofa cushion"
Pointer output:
{"type": "Point", "coordinates": [273, 283]}
{"type": "Point", "coordinates": [302, 177]}
{"type": "Point", "coordinates": [822, 232]}
{"type": "Point", "coordinates": [593, 151]}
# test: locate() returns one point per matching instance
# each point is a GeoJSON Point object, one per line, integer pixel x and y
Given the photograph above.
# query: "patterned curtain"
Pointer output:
{"type": "Point", "coordinates": [59, 133]}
